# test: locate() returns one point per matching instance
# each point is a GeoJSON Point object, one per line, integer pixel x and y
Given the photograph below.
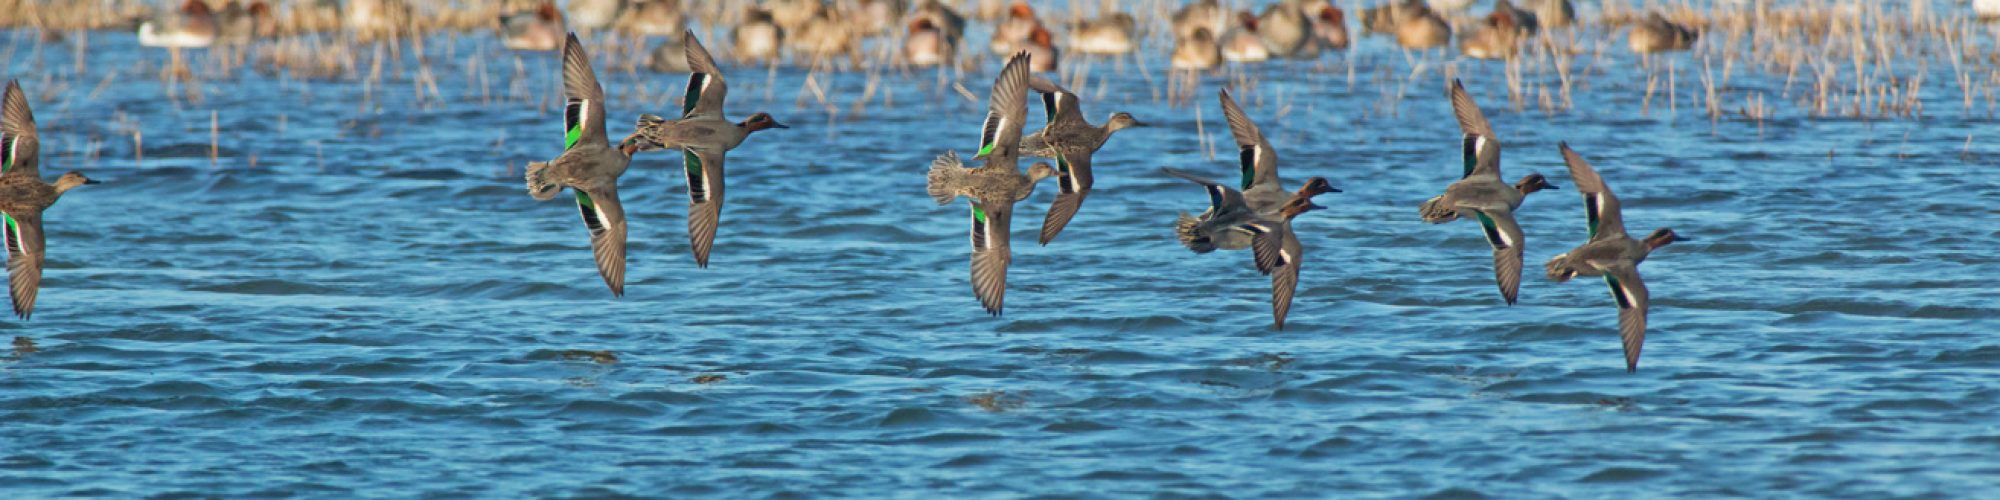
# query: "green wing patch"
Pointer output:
{"type": "Point", "coordinates": [696, 82]}
{"type": "Point", "coordinates": [573, 122]}
{"type": "Point", "coordinates": [1248, 156]}
{"type": "Point", "coordinates": [697, 183]}
{"type": "Point", "coordinates": [1592, 206]}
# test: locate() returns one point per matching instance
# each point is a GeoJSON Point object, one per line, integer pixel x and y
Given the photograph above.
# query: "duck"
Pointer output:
{"type": "Point", "coordinates": [1284, 29]}
{"type": "Point", "coordinates": [193, 25]}
{"type": "Point", "coordinates": [1197, 51]}
{"type": "Point", "coordinates": [1274, 247]}
{"type": "Point", "coordinates": [875, 17]}
{"type": "Point", "coordinates": [792, 15]}
{"type": "Point", "coordinates": [995, 186]}
{"type": "Point", "coordinates": [1243, 44]}
{"type": "Point", "coordinates": [539, 30]}
{"type": "Point", "coordinates": [653, 18]}
{"type": "Point", "coordinates": [1449, 5]}
{"type": "Point", "coordinates": [927, 45]}
{"type": "Point", "coordinates": [23, 197]}
{"type": "Point", "coordinates": [1610, 253]}
{"type": "Point", "coordinates": [1418, 27]}
{"type": "Point", "coordinates": [240, 25]}
{"type": "Point", "coordinates": [592, 15]}
{"type": "Point", "coordinates": [1499, 38]}
{"type": "Point", "coordinates": [1070, 140]}
{"type": "Point", "coordinates": [1482, 195]}
{"type": "Point", "coordinates": [1042, 49]}
{"type": "Point", "coordinates": [1330, 28]}
{"type": "Point", "coordinates": [1109, 35]}
{"type": "Point", "coordinates": [1657, 34]}
{"type": "Point", "coordinates": [589, 165]}
{"type": "Point", "coordinates": [1553, 14]}
{"type": "Point", "coordinates": [1262, 192]}
{"type": "Point", "coordinates": [1523, 20]}
{"type": "Point", "coordinates": [1012, 34]}
{"type": "Point", "coordinates": [944, 18]}
{"type": "Point", "coordinates": [705, 136]}
{"type": "Point", "coordinates": [758, 37]}
{"type": "Point", "coordinates": [1200, 15]}
{"type": "Point", "coordinates": [825, 36]}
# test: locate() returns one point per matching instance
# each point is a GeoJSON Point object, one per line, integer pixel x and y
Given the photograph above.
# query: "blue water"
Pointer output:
{"type": "Point", "coordinates": [357, 297]}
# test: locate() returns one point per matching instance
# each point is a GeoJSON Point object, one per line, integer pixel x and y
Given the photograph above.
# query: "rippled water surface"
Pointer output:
{"type": "Point", "coordinates": [358, 297]}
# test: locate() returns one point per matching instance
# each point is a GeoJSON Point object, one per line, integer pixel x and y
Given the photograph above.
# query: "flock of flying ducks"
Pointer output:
{"type": "Point", "coordinates": [1255, 213]}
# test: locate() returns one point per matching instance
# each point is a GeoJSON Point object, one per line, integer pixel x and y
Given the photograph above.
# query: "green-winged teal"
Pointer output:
{"type": "Point", "coordinates": [1610, 253]}
{"type": "Point", "coordinates": [1657, 34]}
{"type": "Point", "coordinates": [758, 37]}
{"type": "Point", "coordinates": [1115, 33]}
{"type": "Point", "coordinates": [704, 136]}
{"type": "Point", "coordinates": [1258, 161]}
{"type": "Point", "coordinates": [1481, 195]}
{"type": "Point", "coordinates": [928, 45]}
{"type": "Point", "coordinates": [1200, 15]}
{"type": "Point", "coordinates": [23, 196]}
{"type": "Point", "coordinates": [1197, 51]}
{"type": "Point", "coordinates": [995, 186]}
{"type": "Point", "coordinates": [589, 165]}
{"type": "Point", "coordinates": [540, 29]}
{"type": "Point", "coordinates": [1070, 140]}
{"type": "Point", "coordinates": [1275, 248]}
{"type": "Point", "coordinates": [1243, 44]}
{"type": "Point", "coordinates": [1012, 34]}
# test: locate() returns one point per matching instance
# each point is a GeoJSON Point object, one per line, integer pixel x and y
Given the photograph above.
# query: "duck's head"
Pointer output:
{"type": "Point", "coordinates": [1534, 182]}
{"type": "Point", "coordinates": [1248, 20]}
{"type": "Point", "coordinates": [1332, 15]}
{"type": "Point", "coordinates": [1021, 10]}
{"type": "Point", "coordinates": [1298, 205]}
{"type": "Point", "coordinates": [922, 24]}
{"type": "Point", "coordinates": [548, 13]}
{"type": "Point", "coordinates": [1122, 120]}
{"type": "Point", "coordinates": [1317, 186]}
{"type": "Point", "coordinates": [1663, 237]}
{"type": "Point", "coordinates": [70, 180]}
{"type": "Point", "coordinates": [761, 121]}
{"type": "Point", "coordinates": [195, 8]}
{"type": "Point", "coordinates": [1042, 170]}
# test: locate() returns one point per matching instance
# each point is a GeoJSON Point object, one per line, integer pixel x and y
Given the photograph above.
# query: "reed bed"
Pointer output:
{"type": "Point", "coordinates": [1755, 62]}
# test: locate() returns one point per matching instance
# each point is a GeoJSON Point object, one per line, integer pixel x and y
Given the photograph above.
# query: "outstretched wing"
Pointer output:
{"type": "Point", "coordinates": [1629, 291]}
{"type": "Point", "coordinates": [990, 253]}
{"type": "Point", "coordinates": [1058, 104]}
{"type": "Point", "coordinates": [604, 216]}
{"type": "Point", "coordinates": [1073, 188]}
{"type": "Point", "coordinates": [1220, 197]}
{"type": "Point", "coordinates": [1473, 123]}
{"type": "Point", "coordinates": [1277, 253]}
{"type": "Point", "coordinates": [583, 108]}
{"type": "Point", "coordinates": [24, 259]}
{"type": "Point", "coordinates": [1600, 207]}
{"type": "Point", "coordinates": [1505, 236]}
{"type": "Point", "coordinates": [1259, 162]}
{"type": "Point", "coordinates": [1006, 110]}
{"type": "Point", "coordinates": [704, 177]}
{"type": "Point", "coordinates": [18, 142]}
{"type": "Point", "coordinates": [705, 90]}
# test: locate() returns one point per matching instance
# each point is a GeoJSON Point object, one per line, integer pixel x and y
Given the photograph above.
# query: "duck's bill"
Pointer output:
{"type": "Point", "coordinates": [1316, 206]}
{"type": "Point", "coordinates": [95, 181]}
{"type": "Point", "coordinates": [1682, 238]}
{"type": "Point", "coordinates": [775, 124]}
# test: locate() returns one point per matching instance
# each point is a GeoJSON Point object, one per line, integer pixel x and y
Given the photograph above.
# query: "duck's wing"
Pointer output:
{"type": "Point", "coordinates": [1058, 104]}
{"type": "Point", "coordinates": [991, 252]}
{"type": "Point", "coordinates": [1278, 254]}
{"type": "Point", "coordinates": [1505, 236]}
{"type": "Point", "coordinates": [705, 90]}
{"type": "Point", "coordinates": [1629, 291]}
{"type": "Point", "coordinates": [24, 259]}
{"type": "Point", "coordinates": [1600, 207]}
{"type": "Point", "coordinates": [704, 177]}
{"type": "Point", "coordinates": [1221, 198]}
{"type": "Point", "coordinates": [1072, 189]}
{"type": "Point", "coordinates": [583, 111]}
{"type": "Point", "coordinates": [1259, 162]}
{"type": "Point", "coordinates": [1007, 109]}
{"type": "Point", "coordinates": [18, 142]}
{"type": "Point", "coordinates": [604, 216]}
{"type": "Point", "coordinates": [1478, 132]}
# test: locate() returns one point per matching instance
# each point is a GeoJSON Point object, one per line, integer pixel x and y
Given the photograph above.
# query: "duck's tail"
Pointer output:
{"type": "Point", "coordinates": [947, 174]}
{"type": "Point", "coordinates": [1188, 229]}
{"type": "Point", "coordinates": [539, 184]}
{"type": "Point", "coordinates": [1559, 268]}
{"type": "Point", "coordinates": [1434, 211]}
